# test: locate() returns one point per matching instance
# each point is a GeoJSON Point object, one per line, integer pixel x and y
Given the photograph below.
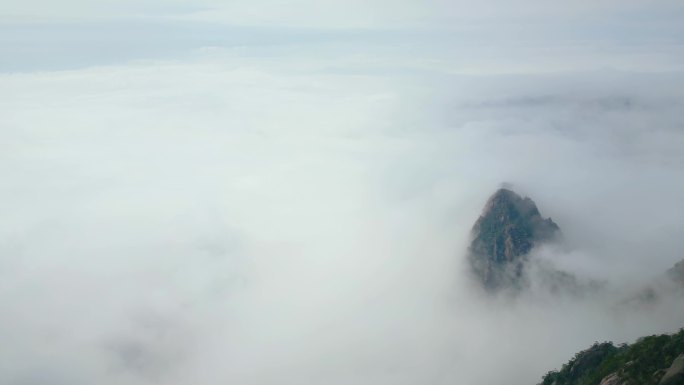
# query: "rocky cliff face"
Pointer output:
{"type": "Point", "coordinates": [508, 229]}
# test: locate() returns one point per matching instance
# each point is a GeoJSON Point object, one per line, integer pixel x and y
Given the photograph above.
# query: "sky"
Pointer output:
{"type": "Point", "coordinates": [266, 193]}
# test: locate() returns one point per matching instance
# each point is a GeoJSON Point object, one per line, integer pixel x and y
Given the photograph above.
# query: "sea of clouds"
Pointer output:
{"type": "Point", "coordinates": [292, 215]}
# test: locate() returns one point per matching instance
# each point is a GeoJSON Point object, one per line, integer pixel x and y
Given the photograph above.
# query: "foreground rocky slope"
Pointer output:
{"type": "Point", "coordinates": [653, 360]}
{"type": "Point", "coordinates": [508, 229]}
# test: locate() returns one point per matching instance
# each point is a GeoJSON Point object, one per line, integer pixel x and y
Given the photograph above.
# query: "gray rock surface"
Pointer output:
{"type": "Point", "coordinates": [675, 374]}
{"type": "Point", "coordinates": [611, 379]}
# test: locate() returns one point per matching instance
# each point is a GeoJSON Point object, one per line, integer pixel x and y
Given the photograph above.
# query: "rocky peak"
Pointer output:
{"type": "Point", "coordinates": [509, 227]}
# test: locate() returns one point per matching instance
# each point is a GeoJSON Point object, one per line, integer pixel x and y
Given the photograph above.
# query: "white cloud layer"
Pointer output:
{"type": "Point", "coordinates": [298, 214]}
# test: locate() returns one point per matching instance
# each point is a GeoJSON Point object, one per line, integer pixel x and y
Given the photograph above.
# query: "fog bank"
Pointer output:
{"type": "Point", "coordinates": [228, 218]}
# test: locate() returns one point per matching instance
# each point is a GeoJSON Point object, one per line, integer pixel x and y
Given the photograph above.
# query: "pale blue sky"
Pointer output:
{"type": "Point", "coordinates": [614, 34]}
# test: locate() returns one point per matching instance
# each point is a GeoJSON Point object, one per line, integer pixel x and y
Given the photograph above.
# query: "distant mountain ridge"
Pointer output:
{"type": "Point", "coordinates": [508, 229]}
{"type": "Point", "coordinates": [676, 273]}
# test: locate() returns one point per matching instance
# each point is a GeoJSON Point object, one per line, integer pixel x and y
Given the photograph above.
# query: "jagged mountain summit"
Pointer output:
{"type": "Point", "coordinates": [508, 229]}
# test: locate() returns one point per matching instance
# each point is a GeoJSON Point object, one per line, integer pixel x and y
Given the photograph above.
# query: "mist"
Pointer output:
{"type": "Point", "coordinates": [280, 213]}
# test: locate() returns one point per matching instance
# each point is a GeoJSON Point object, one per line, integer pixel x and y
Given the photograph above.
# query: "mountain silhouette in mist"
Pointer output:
{"type": "Point", "coordinates": [508, 229]}
{"type": "Point", "coordinates": [676, 273]}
